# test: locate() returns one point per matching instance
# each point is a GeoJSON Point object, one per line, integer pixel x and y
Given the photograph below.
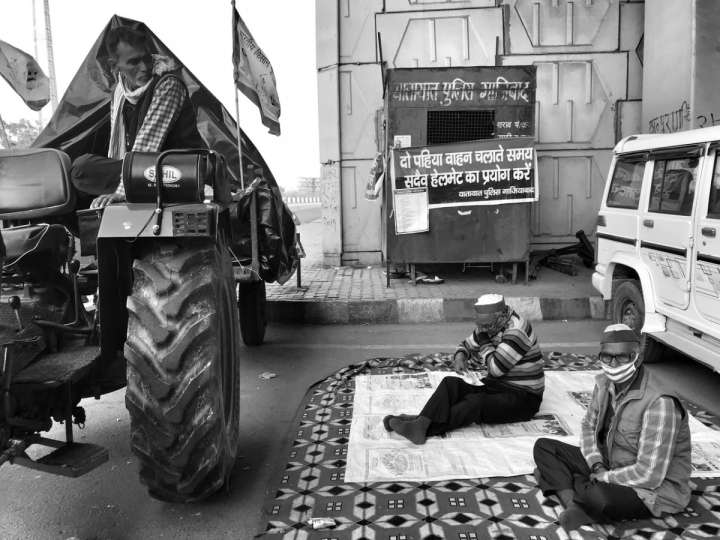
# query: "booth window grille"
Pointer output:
{"type": "Point", "coordinates": [458, 126]}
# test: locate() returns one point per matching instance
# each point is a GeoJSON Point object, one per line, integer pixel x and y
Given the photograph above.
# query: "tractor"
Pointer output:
{"type": "Point", "coordinates": [157, 312]}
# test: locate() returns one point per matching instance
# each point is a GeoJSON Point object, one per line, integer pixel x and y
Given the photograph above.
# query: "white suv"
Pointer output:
{"type": "Point", "coordinates": [658, 253]}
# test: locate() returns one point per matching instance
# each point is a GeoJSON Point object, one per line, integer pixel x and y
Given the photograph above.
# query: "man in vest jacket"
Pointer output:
{"type": "Point", "coordinates": [150, 111]}
{"type": "Point", "coordinates": [511, 392]}
{"type": "Point", "coordinates": [634, 456]}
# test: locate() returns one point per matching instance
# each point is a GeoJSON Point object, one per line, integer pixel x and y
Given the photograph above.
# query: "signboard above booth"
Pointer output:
{"type": "Point", "coordinates": [500, 100]}
{"type": "Point", "coordinates": [447, 93]}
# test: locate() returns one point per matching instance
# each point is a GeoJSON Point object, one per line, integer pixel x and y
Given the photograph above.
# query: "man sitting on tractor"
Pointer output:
{"type": "Point", "coordinates": [150, 111]}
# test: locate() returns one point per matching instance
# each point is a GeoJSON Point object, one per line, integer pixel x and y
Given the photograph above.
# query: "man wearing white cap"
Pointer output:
{"type": "Point", "coordinates": [634, 455]}
{"type": "Point", "coordinates": [511, 392]}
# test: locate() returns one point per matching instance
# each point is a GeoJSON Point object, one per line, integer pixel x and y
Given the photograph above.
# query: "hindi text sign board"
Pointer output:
{"type": "Point", "coordinates": [436, 106]}
{"type": "Point", "coordinates": [486, 172]}
{"type": "Point", "coordinates": [507, 91]}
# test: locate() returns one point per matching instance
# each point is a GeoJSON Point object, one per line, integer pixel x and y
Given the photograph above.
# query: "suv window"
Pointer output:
{"type": "Point", "coordinates": [625, 184]}
{"type": "Point", "coordinates": [673, 186]}
{"type": "Point", "coordinates": [714, 202]}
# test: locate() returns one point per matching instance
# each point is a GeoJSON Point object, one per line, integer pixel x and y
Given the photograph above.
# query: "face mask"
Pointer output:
{"type": "Point", "coordinates": [620, 373]}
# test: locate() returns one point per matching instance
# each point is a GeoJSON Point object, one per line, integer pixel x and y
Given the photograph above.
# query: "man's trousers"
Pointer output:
{"type": "Point", "coordinates": [94, 175]}
{"type": "Point", "coordinates": [562, 466]}
{"type": "Point", "coordinates": [456, 403]}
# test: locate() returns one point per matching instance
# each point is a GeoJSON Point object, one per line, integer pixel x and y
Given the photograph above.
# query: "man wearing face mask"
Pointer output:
{"type": "Point", "coordinates": [512, 391]}
{"type": "Point", "coordinates": [150, 111]}
{"type": "Point", "coordinates": [634, 455]}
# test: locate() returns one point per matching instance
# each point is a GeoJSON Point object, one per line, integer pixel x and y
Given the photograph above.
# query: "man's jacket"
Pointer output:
{"type": "Point", "coordinates": [183, 132]}
{"type": "Point", "coordinates": [628, 430]}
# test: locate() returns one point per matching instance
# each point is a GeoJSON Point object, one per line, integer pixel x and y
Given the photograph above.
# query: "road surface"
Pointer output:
{"type": "Point", "coordinates": [110, 503]}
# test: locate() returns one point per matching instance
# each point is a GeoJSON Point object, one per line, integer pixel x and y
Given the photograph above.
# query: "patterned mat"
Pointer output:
{"type": "Point", "coordinates": [312, 483]}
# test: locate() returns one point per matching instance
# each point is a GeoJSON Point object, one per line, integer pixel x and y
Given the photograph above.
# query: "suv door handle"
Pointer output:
{"type": "Point", "coordinates": [648, 223]}
{"type": "Point", "coordinates": [708, 231]}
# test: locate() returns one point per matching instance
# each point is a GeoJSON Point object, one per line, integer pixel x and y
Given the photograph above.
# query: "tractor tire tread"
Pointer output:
{"type": "Point", "coordinates": [174, 395]}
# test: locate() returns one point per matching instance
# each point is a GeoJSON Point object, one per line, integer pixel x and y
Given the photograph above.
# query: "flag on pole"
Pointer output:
{"type": "Point", "coordinates": [254, 75]}
{"type": "Point", "coordinates": [24, 75]}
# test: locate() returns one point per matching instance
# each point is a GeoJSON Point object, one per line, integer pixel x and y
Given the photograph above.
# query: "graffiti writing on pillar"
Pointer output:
{"type": "Point", "coordinates": [707, 120]}
{"type": "Point", "coordinates": [330, 195]}
{"type": "Point", "coordinates": [672, 121]}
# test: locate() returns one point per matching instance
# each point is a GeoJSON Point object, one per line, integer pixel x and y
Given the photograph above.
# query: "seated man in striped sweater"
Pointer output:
{"type": "Point", "coordinates": [511, 392]}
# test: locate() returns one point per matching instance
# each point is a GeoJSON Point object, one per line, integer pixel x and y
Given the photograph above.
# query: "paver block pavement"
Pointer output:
{"type": "Point", "coordinates": [343, 295]}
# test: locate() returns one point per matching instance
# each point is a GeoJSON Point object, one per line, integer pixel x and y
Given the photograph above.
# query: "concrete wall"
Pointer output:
{"type": "Point", "coordinates": [328, 47]}
{"type": "Point", "coordinates": [668, 66]}
{"type": "Point", "coordinates": [682, 57]}
{"type": "Point", "coordinates": [590, 84]}
{"type": "Point", "coordinates": [706, 105]}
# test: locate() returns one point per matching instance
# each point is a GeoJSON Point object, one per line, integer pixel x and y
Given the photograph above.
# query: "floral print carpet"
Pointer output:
{"type": "Point", "coordinates": [312, 486]}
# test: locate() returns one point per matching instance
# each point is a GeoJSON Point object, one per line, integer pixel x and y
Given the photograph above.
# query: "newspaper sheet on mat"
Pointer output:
{"type": "Point", "coordinates": [375, 455]}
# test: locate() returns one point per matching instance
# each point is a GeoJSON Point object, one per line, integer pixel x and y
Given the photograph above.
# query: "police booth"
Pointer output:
{"type": "Point", "coordinates": [460, 165]}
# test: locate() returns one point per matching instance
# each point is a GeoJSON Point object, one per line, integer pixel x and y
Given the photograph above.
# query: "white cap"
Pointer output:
{"type": "Point", "coordinates": [488, 299]}
{"type": "Point", "coordinates": [488, 305]}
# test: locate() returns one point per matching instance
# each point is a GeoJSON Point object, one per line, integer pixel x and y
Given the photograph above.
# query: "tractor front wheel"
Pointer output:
{"type": "Point", "coordinates": [183, 385]}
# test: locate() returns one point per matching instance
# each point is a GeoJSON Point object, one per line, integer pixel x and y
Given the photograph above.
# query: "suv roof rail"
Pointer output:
{"type": "Point", "coordinates": [620, 146]}
{"type": "Point", "coordinates": [643, 142]}
{"type": "Point", "coordinates": [623, 141]}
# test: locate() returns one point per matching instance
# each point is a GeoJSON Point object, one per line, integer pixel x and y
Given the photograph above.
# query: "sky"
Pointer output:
{"type": "Point", "coordinates": [199, 34]}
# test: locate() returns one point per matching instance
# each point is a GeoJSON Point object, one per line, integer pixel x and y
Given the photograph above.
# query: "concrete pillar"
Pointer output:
{"type": "Point", "coordinates": [328, 43]}
{"type": "Point", "coordinates": [680, 70]}
{"type": "Point", "coordinates": [706, 105]}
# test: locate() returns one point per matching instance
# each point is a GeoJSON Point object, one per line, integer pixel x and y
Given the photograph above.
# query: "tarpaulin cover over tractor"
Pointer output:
{"type": "Point", "coordinates": [81, 125]}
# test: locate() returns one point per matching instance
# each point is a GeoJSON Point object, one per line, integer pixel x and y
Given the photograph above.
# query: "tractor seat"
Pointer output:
{"type": "Point", "coordinates": [34, 183]}
{"type": "Point", "coordinates": [44, 243]}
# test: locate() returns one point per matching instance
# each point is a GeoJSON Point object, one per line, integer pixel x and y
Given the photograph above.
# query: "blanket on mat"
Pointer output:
{"type": "Point", "coordinates": [480, 450]}
{"type": "Point", "coordinates": [313, 484]}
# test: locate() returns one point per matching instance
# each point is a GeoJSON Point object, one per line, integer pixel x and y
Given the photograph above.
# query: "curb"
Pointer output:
{"type": "Point", "coordinates": [426, 310]}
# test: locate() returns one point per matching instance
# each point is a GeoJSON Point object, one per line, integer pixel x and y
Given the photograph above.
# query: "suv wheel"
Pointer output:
{"type": "Point", "coordinates": [628, 307]}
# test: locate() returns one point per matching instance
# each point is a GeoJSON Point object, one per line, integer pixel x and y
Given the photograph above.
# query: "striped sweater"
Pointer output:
{"type": "Point", "coordinates": [512, 357]}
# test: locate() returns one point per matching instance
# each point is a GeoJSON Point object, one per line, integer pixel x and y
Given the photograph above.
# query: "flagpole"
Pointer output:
{"type": "Point", "coordinates": [51, 56]}
{"type": "Point", "coordinates": [237, 109]}
{"type": "Point", "coordinates": [35, 40]}
{"type": "Point", "coordinates": [239, 138]}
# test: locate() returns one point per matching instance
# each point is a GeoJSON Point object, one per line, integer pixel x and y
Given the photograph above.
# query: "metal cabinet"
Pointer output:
{"type": "Point", "coordinates": [483, 233]}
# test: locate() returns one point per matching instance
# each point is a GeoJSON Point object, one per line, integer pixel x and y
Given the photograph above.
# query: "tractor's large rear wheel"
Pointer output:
{"type": "Point", "coordinates": [183, 385]}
